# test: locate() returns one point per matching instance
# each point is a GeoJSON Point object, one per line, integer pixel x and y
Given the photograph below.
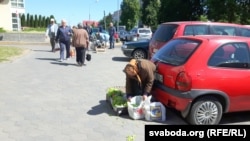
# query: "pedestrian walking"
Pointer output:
{"type": "Point", "coordinates": [63, 36]}
{"type": "Point", "coordinates": [80, 41]}
{"type": "Point", "coordinates": [51, 32]}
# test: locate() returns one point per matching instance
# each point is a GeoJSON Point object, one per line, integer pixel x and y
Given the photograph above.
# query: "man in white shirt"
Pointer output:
{"type": "Point", "coordinates": [51, 32]}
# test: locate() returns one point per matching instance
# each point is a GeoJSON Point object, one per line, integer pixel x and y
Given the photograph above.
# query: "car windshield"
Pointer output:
{"type": "Point", "coordinates": [176, 52]}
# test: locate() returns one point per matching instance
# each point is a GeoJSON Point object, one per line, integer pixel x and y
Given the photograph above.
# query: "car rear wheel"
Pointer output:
{"type": "Point", "coordinates": [205, 111]}
{"type": "Point", "coordinates": [139, 54]}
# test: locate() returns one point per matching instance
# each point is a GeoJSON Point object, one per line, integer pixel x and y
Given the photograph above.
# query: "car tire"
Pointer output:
{"type": "Point", "coordinates": [139, 54]}
{"type": "Point", "coordinates": [205, 111]}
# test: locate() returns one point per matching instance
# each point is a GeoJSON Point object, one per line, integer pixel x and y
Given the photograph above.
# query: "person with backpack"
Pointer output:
{"type": "Point", "coordinates": [139, 78]}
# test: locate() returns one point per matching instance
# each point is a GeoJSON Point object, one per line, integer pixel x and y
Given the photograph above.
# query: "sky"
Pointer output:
{"type": "Point", "coordinates": [73, 11]}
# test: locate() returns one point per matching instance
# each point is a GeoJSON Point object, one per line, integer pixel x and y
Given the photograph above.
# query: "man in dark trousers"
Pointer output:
{"type": "Point", "coordinates": [111, 36]}
{"type": "Point", "coordinates": [63, 36]}
{"type": "Point", "coordinates": [80, 41]}
{"type": "Point", "coordinates": [51, 32]}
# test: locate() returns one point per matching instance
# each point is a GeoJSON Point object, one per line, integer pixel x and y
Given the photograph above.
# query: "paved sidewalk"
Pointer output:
{"type": "Point", "coordinates": [42, 99]}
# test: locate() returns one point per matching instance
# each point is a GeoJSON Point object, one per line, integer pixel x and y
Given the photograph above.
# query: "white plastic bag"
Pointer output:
{"type": "Point", "coordinates": [154, 111]}
{"type": "Point", "coordinates": [57, 47]}
{"type": "Point", "coordinates": [135, 107]}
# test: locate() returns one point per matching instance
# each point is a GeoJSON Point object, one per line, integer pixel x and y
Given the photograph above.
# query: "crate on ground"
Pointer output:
{"type": "Point", "coordinates": [116, 97]}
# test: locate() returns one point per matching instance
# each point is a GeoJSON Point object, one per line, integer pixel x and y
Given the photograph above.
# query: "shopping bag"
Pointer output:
{"type": "Point", "coordinates": [72, 52]}
{"type": "Point", "coordinates": [154, 111]}
{"type": "Point", "coordinates": [135, 107]}
{"type": "Point", "coordinates": [57, 47]}
{"type": "Point", "coordinates": [88, 57]}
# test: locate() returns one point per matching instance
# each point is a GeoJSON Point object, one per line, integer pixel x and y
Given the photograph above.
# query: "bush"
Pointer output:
{"type": "Point", "coordinates": [30, 29]}
{"type": "Point", "coordinates": [2, 30]}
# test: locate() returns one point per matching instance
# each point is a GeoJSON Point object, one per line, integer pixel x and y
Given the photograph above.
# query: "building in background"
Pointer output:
{"type": "Point", "coordinates": [10, 12]}
{"type": "Point", "coordinates": [91, 23]}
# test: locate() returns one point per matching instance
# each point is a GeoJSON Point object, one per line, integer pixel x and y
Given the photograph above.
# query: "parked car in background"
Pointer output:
{"type": "Point", "coordinates": [137, 34]}
{"type": "Point", "coordinates": [136, 49]}
{"type": "Point", "coordinates": [103, 33]}
{"type": "Point", "coordinates": [169, 30]}
{"type": "Point", "coordinates": [122, 35]}
{"type": "Point", "coordinates": [204, 76]}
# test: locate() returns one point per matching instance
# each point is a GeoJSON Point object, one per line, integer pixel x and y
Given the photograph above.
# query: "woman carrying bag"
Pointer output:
{"type": "Point", "coordinates": [80, 41]}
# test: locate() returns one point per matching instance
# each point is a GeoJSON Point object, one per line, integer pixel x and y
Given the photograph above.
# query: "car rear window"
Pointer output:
{"type": "Point", "coordinates": [165, 32]}
{"type": "Point", "coordinates": [176, 52]}
{"type": "Point", "coordinates": [144, 31]}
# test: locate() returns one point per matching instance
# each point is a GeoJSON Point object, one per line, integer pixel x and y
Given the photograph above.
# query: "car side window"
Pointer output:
{"type": "Point", "coordinates": [233, 55]}
{"type": "Point", "coordinates": [245, 32]}
{"type": "Point", "coordinates": [222, 30]}
{"type": "Point", "coordinates": [196, 30]}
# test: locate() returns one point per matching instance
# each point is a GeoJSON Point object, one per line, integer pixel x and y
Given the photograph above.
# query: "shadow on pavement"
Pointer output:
{"type": "Point", "coordinates": [123, 59]}
{"type": "Point", "coordinates": [65, 64]}
{"type": "Point", "coordinates": [102, 107]}
{"type": "Point", "coordinates": [231, 118]}
{"type": "Point", "coordinates": [105, 107]}
{"type": "Point", "coordinates": [42, 50]}
{"type": "Point", "coordinates": [49, 59]}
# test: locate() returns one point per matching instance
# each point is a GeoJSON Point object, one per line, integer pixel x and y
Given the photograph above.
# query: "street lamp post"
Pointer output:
{"type": "Point", "coordinates": [118, 15]}
{"type": "Point", "coordinates": [89, 8]}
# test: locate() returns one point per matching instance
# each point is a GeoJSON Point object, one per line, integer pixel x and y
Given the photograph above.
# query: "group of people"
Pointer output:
{"type": "Point", "coordinates": [139, 73]}
{"type": "Point", "coordinates": [78, 37]}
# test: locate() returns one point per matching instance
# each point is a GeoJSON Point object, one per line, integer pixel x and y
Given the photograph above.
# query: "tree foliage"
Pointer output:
{"type": "Point", "coordinates": [154, 12]}
{"type": "Point", "coordinates": [149, 11]}
{"type": "Point", "coordinates": [35, 21]}
{"type": "Point", "coordinates": [130, 13]}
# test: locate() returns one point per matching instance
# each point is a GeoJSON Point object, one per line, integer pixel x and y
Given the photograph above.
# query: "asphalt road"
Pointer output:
{"type": "Point", "coordinates": [42, 99]}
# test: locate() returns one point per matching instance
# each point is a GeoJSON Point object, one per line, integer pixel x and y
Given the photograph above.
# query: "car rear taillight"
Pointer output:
{"type": "Point", "coordinates": [183, 82]}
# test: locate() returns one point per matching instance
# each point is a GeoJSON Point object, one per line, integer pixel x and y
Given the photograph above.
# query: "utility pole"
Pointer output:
{"type": "Point", "coordinates": [118, 15]}
{"type": "Point", "coordinates": [104, 19]}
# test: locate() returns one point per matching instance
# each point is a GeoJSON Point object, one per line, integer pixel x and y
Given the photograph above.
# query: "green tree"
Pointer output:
{"type": "Point", "coordinates": [223, 10]}
{"type": "Point", "coordinates": [40, 21]}
{"type": "Point", "coordinates": [31, 22]}
{"type": "Point", "coordinates": [23, 23]}
{"type": "Point", "coordinates": [130, 13]}
{"type": "Point", "coordinates": [44, 22]}
{"type": "Point", "coordinates": [180, 10]}
{"type": "Point", "coordinates": [244, 11]}
{"type": "Point", "coordinates": [28, 20]}
{"type": "Point", "coordinates": [149, 12]}
{"type": "Point", "coordinates": [35, 22]}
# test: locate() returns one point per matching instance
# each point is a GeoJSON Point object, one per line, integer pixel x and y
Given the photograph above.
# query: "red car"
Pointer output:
{"type": "Point", "coordinates": [204, 76]}
{"type": "Point", "coordinates": [167, 31]}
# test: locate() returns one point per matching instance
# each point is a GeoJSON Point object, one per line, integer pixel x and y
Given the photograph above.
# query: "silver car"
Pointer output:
{"type": "Point", "coordinates": [137, 34]}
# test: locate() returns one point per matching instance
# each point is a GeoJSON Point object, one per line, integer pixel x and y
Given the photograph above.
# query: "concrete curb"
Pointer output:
{"type": "Point", "coordinates": [22, 43]}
